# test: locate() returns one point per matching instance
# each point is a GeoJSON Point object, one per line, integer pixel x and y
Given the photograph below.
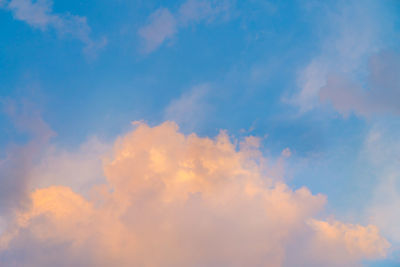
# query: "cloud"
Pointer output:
{"type": "Point", "coordinates": [191, 108]}
{"type": "Point", "coordinates": [340, 73]}
{"type": "Point", "coordinates": [382, 152]}
{"type": "Point", "coordinates": [350, 241]}
{"type": "Point", "coordinates": [39, 14]}
{"type": "Point", "coordinates": [181, 200]}
{"type": "Point", "coordinates": [162, 25]}
{"type": "Point", "coordinates": [384, 78]}
{"type": "Point", "coordinates": [194, 11]}
{"type": "Point", "coordinates": [19, 159]}
{"type": "Point", "coordinates": [286, 153]}
{"type": "Point", "coordinates": [37, 162]}
{"type": "Point", "coordinates": [79, 168]}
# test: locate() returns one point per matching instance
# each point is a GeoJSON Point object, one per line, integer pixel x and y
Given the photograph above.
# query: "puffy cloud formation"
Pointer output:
{"type": "Point", "coordinates": [349, 241]}
{"type": "Point", "coordinates": [79, 168]}
{"type": "Point", "coordinates": [177, 200]}
{"type": "Point", "coordinates": [163, 25]}
{"type": "Point", "coordinates": [39, 14]}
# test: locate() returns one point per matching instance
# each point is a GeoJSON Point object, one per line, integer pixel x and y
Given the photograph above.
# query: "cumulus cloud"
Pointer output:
{"type": "Point", "coordinates": [180, 200]}
{"type": "Point", "coordinates": [349, 241]}
{"type": "Point", "coordinates": [340, 73]}
{"type": "Point", "coordinates": [163, 25]}
{"type": "Point", "coordinates": [39, 14]}
{"type": "Point", "coordinates": [79, 168]}
{"type": "Point", "coordinates": [36, 162]}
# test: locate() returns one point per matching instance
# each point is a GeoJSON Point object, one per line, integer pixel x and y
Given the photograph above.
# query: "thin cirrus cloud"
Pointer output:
{"type": "Point", "coordinates": [39, 14]}
{"type": "Point", "coordinates": [356, 71]}
{"type": "Point", "coordinates": [171, 199]}
{"type": "Point", "coordinates": [163, 25]}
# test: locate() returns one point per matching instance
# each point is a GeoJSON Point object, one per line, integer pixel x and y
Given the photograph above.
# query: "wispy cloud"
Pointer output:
{"type": "Point", "coordinates": [39, 14]}
{"type": "Point", "coordinates": [180, 200]}
{"type": "Point", "coordinates": [340, 73]}
{"type": "Point", "coordinates": [191, 108]}
{"type": "Point", "coordinates": [19, 159]}
{"type": "Point", "coordinates": [382, 152]}
{"type": "Point", "coordinates": [163, 25]}
{"type": "Point", "coordinates": [382, 96]}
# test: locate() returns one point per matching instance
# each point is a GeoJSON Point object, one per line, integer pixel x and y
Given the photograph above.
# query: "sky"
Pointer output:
{"type": "Point", "coordinates": [200, 133]}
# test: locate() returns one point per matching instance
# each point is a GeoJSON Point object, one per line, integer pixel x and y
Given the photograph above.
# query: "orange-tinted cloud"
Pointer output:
{"type": "Point", "coordinates": [176, 200]}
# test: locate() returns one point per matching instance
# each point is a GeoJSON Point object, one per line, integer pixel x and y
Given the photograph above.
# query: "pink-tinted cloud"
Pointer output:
{"type": "Point", "coordinates": [181, 200]}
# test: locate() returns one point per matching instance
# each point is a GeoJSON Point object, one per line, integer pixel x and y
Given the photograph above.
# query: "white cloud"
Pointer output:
{"type": "Point", "coordinates": [383, 96]}
{"type": "Point", "coordinates": [39, 14]}
{"type": "Point", "coordinates": [191, 108]}
{"type": "Point", "coordinates": [163, 25]}
{"type": "Point", "coordinates": [194, 11]}
{"type": "Point", "coordinates": [382, 150]}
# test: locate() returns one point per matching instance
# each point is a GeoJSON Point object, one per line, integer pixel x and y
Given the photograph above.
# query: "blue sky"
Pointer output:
{"type": "Point", "coordinates": [320, 78]}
